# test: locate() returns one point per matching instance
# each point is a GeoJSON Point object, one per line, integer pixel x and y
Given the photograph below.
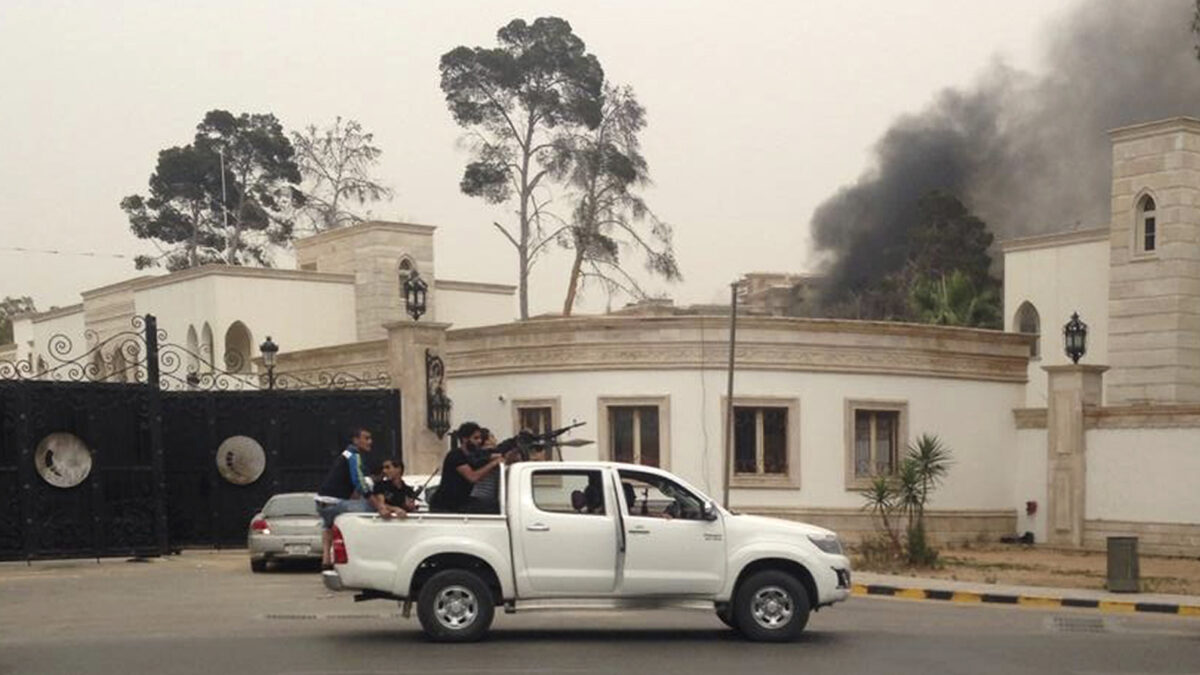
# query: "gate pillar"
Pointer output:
{"type": "Point", "coordinates": [1073, 388]}
{"type": "Point", "coordinates": [407, 344]}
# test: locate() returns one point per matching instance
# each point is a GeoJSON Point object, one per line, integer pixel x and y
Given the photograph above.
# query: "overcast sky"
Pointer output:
{"type": "Point", "coordinates": [757, 111]}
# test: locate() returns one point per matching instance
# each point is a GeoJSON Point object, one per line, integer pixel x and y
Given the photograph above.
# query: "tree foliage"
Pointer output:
{"type": "Point", "coordinates": [516, 99]}
{"type": "Point", "coordinates": [336, 164]}
{"type": "Point", "coordinates": [196, 214]}
{"type": "Point", "coordinates": [946, 240]}
{"type": "Point", "coordinates": [9, 307]}
{"type": "Point", "coordinates": [607, 167]}
{"type": "Point", "coordinates": [954, 300]}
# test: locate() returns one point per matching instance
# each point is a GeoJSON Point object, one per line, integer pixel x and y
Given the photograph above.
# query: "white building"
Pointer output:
{"type": "Point", "coordinates": [1070, 453]}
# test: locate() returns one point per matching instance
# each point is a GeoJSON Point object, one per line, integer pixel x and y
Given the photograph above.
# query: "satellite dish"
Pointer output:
{"type": "Point", "coordinates": [241, 460]}
{"type": "Point", "coordinates": [63, 460]}
{"type": "Point", "coordinates": [576, 442]}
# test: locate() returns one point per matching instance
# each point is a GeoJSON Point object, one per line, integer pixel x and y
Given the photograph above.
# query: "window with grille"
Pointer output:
{"type": "Point", "coordinates": [876, 442]}
{"type": "Point", "coordinates": [633, 432]}
{"type": "Point", "coordinates": [760, 440]}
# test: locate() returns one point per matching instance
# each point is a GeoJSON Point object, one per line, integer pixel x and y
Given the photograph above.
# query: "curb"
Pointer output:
{"type": "Point", "coordinates": [971, 597]}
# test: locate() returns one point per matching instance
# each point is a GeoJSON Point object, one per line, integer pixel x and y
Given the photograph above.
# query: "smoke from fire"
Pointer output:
{"type": "Point", "coordinates": [1028, 153]}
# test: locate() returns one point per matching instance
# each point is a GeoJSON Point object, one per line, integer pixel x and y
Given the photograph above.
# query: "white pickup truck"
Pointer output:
{"type": "Point", "coordinates": [587, 535]}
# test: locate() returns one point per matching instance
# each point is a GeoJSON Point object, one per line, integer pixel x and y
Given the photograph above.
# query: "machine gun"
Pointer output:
{"type": "Point", "coordinates": [527, 442]}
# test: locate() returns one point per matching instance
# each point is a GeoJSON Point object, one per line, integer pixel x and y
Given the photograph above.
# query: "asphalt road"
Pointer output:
{"type": "Point", "coordinates": [206, 613]}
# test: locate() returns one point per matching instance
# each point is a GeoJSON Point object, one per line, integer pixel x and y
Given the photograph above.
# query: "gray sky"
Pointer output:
{"type": "Point", "coordinates": [757, 111]}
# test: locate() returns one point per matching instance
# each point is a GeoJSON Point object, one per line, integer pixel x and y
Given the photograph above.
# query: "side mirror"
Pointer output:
{"type": "Point", "coordinates": [709, 511]}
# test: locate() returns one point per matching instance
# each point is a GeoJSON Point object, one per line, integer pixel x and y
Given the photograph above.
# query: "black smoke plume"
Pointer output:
{"type": "Point", "coordinates": [1027, 153]}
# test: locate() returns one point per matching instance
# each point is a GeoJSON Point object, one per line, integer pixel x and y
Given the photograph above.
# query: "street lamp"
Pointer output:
{"type": "Point", "coordinates": [1075, 338]}
{"type": "Point", "coordinates": [269, 349]}
{"type": "Point", "coordinates": [415, 290]}
{"type": "Point", "coordinates": [437, 403]}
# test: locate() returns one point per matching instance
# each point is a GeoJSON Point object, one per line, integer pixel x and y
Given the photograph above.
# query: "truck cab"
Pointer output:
{"type": "Point", "coordinates": [603, 534]}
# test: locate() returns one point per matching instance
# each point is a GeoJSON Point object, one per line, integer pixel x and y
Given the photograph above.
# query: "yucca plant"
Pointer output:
{"type": "Point", "coordinates": [883, 500]}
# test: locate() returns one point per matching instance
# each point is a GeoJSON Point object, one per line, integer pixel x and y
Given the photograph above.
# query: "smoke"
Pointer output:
{"type": "Point", "coordinates": [1027, 153]}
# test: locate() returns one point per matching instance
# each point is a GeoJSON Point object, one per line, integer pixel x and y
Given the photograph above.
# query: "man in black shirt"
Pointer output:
{"type": "Point", "coordinates": [459, 474]}
{"type": "Point", "coordinates": [392, 497]}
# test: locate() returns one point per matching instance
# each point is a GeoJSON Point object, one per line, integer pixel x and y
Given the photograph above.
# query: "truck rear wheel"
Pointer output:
{"type": "Point", "coordinates": [771, 606]}
{"type": "Point", "coordinates": [455, 606]}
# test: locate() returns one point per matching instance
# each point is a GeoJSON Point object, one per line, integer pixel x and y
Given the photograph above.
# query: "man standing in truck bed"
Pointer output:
{"type": "Point", "coordinates": [344, 490]}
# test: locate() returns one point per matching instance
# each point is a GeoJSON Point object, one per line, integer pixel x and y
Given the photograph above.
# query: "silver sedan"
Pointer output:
{"type": "Point", "coordinates": [287, 528]}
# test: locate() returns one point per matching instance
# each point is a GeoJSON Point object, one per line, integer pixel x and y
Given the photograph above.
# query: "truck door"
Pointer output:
{"type": "Point", "coordinates": [567, 534]}
{"type": "Point", "coordinates": [669, 548]}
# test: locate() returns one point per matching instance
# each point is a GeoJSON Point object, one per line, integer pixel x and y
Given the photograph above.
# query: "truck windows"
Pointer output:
{"type": "Point", "coordinates": [648, 494]}
{"type": "Point", "coordinates": [564, 491]}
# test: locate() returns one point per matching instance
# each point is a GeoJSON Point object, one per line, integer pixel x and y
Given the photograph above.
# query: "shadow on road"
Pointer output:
{"type": "Point", "coordinates": [500, 635]}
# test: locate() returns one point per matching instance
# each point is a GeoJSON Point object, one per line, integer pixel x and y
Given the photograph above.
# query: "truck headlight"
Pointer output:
{"type": "Point", "coordinates": [829, 543]}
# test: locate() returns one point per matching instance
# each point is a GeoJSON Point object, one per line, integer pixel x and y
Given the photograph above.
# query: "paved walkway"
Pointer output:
{"type": "Point", "coordinates": [918, 588]}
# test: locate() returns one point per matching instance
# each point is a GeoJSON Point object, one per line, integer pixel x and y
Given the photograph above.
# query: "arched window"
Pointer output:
{"type": "Point", "coordinates": [1147, 225]}
{"type": "Point", "coordinates": [193, 347]}
{"type": "Point", "coordinates": [41, 366]}
{"type": "Point", "coordinates": [206, 348]}
{"type": "Point", "coordinates": [237, 348]}
{"type": "Point", "coordinates": [1028, 322]}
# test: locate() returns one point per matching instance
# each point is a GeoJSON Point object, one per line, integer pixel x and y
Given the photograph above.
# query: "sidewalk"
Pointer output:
{"type": "Point", "coordinates": [943, 590]}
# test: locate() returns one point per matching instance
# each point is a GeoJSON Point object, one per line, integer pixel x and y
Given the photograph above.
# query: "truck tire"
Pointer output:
{"type": "Point", "coordinates": [258, 564]}
{"type": "Point", "coordinates": [771, 606]}
{"type": "Point", "coordinates": [455, 606]}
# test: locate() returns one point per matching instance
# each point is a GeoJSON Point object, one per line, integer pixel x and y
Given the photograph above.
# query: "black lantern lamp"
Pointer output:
{"type": "Point", "coordinates": [1075, 338]}
{"type": "Point", "coordinates": [269, 349]}
{"type": "Point", "coordinates": [437, 403]}
{"type": "Point", "coordinates": [415, 290]}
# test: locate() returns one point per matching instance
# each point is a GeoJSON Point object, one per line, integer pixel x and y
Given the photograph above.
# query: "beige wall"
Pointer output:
{"type": "Point", "coordinates": [1058, 274]}
{"type": "Point", "coordinates": [1154, 299]}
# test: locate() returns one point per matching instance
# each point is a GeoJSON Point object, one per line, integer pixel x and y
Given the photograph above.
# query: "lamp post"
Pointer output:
{"type": "Point", "coordinates": [415, 291]}
{"type": "Point", "coordinates": [1075, 338]}
{"type": "Point", "coordinates": [269, 349]}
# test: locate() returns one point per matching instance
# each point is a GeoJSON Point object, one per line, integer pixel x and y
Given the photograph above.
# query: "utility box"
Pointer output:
{"type": "Point", "coordinates": [1123, 573]}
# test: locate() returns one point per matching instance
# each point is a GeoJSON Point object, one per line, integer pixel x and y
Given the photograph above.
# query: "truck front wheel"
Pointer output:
{"type": "Point", "coordinates": [455, 606]}
{"type": "Point", "coordinates": [771, 606]}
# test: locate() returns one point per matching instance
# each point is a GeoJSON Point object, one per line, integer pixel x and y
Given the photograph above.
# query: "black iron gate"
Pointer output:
{"type": "Point", "coordinates": [175, 452]}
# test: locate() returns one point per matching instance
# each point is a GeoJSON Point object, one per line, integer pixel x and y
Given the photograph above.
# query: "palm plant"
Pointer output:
{"type": "Point", "coordinates": [954, 300]}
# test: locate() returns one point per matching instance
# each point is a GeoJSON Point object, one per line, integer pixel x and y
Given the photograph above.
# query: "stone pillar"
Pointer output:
{"type": "Point", "coordinates": [407, 342]}
{"type": "Point", "coordinates": [1072, 389]}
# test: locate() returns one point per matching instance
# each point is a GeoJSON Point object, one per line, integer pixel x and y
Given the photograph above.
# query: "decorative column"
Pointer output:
{"type": "Point", "coordinates": [407, 344]}
{"type": "Point", "coordinates": [1072, 389]}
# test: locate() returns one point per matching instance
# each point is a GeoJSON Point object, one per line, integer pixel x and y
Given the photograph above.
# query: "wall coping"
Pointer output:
{"type": "Point", "coordinates": [353, 230]}
{"type": "Point", "coordinates": [1143, 416]}
{"type": "Point", "coordinates": [474, 287]}
{"type": "Point", "coordinates": [214, 270]}
{"type": "Point", "coordinates": [1055, 239]}
{"type": "Point", "coordinates": [764, 343]}
{"type": "Point", "coordinates": [56, 313]}
{"type": "Point", "coordinates": [1155, 128]}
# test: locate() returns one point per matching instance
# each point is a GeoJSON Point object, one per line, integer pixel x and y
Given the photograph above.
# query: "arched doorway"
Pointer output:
{"type": "Point", "coordinates": [237, 348]}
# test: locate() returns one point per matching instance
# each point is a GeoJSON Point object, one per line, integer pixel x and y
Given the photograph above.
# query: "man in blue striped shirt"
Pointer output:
{"type": "Point", "coordinates": [344, 489]}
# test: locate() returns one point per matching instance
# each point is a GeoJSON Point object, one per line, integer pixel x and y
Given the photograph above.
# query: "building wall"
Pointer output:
{"type": "Point", "coordinates": [1058, 274]}
{"type": "Point", "coordinates": [47, 331]}
{"type": "Point", "coordinates": [1154, 297]}
{"type": "Point", "coordinates": [372, 253]}
{"type": "Point", "coordinates": [297, 312]}
{"type": "Point", "coordinates": [1029, 480]}
{"type": "Point", "coordinates": [467, 305]}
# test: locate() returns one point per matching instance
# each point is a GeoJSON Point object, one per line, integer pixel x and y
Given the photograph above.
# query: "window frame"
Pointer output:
{"type": "Point", "coordinates": [604, 434]}
{"type": "Point", "coordinates": [559, 473]}
{"type": "Point", "coordinates": [518, 404]}
{"type": "Point", "coordinates": [787, 480]}
{"type": "Point", "coordinates": [1139, 250]}
{"type": "Point", "coordinates": [853, 481]}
